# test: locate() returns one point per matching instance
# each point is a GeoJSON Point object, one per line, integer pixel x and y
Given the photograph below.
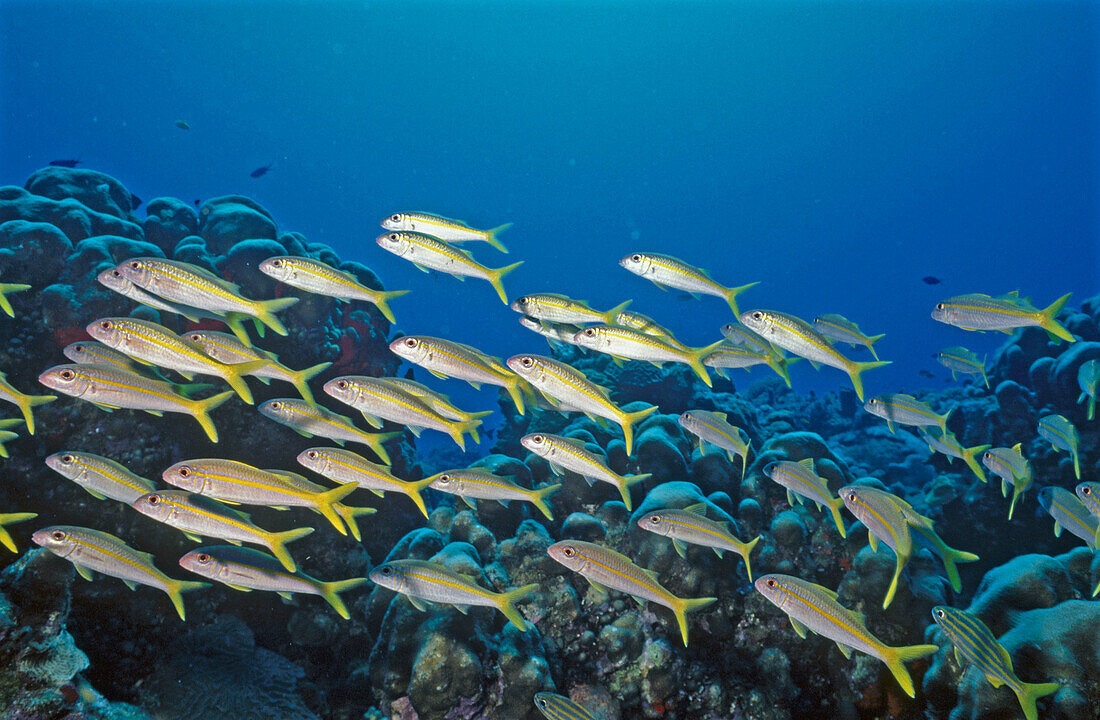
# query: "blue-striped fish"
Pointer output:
{"type": "Point", "coordinates": [606, 569]}
{"type": "Point", "coordinates": [478, 484]}
{"type": "Point", "coordinates": [316, 277]}
{"type": "Point", "coordinates": [91, 550]}
{"type": "Point", "coordinates": [24, 402]}
{"type": "Point", "coordinates": [557, 707]}
{"type": "Point", "coordinates": [311, 421]}
{"type": "Point", "coordinates": [7, 289]}
{"type": "Point", "coordinates": [1069, 513]}
{"type": "Point", "coordinates": [801, 480]}
{"type": "Point", "coordinates": [816, 608]}
{"type": "Point", "coordinates": [562, 310]}
{"type": "Point", "coordinates": [426, 251]}
{"type": "Point", "coordinates": [10, 519]}
{"type": "Point", "coordinates": [795, 335]}
{"type": "Point", "coordinates": [1003, 313]}
{"type": "Point", "coordinates": [246, 569]}
{"type": "Point", "coordinates": [564, 453]}
{"type": "Point", "coordinates": [714, 428]}
{"type": "Point", "coordinates": [344, 466]}
{"type": "Point", "coordinates": [1010, 466]}
{"type": "Point", "coordinates": [446, 229]}
{"type": "Point", "coordinates": [1088, 379]}
{"type": "Point", "coordinates": [100, 476]}
{"type": "Point", "coordinates": [691, 526]}
{"type": "Point", "coordinates": [949, 445]}
{"type": "Point", "coordinates": [840, 329]}
{"type": "Point", "coordinates": [973, 640]}
{"type": "Point", "coordinates": [900, 409]}
{"type": "Point", "coordinates": [422, 580]}
{"type": "Point", "coordinates": [1061, 434]}
{"type": "Point", "coordinates": [959, 360]}
{"type": "Point", "coordinates": [666, 271]}
{"type": "Point", "coordinates": [562, 384]}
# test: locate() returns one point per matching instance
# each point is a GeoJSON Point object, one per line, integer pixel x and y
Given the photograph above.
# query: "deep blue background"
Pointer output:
{"type": "Point", "coordinates": [836, 152]}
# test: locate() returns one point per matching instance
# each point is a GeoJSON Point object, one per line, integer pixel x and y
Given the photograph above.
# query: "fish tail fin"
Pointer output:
{"type": "Point", "coordinates": [491, 237]}
{"type": "Point", "coordinates": [682, 606]}
{"type": "Point", "coordinates": [1092, 406]}
{"type": "Point", "coordinates": [10, 519]}
{"type": "Point", "coordinates": [374, 442]}
{"type": "Point", "coordinates": [1076, 464]}
{"type": "Point", "coordinates": [349, 513]}
{"type": "Point", "coordinates": [234, 375]}
{"type": "Point", "coordinates": [515, 392]}
{"type": "Point", "coordinates": [470, 428]}
{"type": "Point", "coordinates": [896, 657]}
{"type": "Point", "coordinates": [382, 299]}
{"type": "Point", "coordinates": [538, 498]}
{"type": "Point", "coordinates": [176, 589]}
{"type": "Point", "coordinates": [951, 557]}
{"type": "Point", "coordinates": [970, 457]}
{"type": "Point", "coordinates": [6, 288]}
{"type": "Point", "coordinates": [943, 420]}
{"type": "Point", "coordinates": [496, 275]}
{"type": "Point", "coordinates": [624, 484]}
{"type": "Point", "coordinates": [277, 541]}
{"type": "Point", "coordinates": [266, 309]}
{"type": "Point", "coordinates": [234, 321]}
{"type": "Point", "coordinates": [301, 379]}
{"type": "Point", "coordinates": [325, 504]}
{"type": "Point", "coordinates": [746, 553]}
{"type": "Point", "coordinates": [413, 490]}
{"type": "Point", "coordinates": [1016, 493]}
{"type": "Point", "coordinates": [330, 591]}
{"type": "Point", "coordinates": [779, 364]}
{"type": "Point", "coordinates": [507, 604]}
{"type": "Point", "coordinates": [1049, 322]}
{"type": "Point", "coordinates": [27, 402]}
{"type": "Point", "coordinates": [1030, 692]}
{"type": "Point", "coordinates": [856, 370]}
{"type": "Point", "coordinates": [612, 315]}
{"type": "Point", "coordinates": [200, 410]}
{"type": "Point", "coordinates": [627, 423]}
{"type": "Point", "coordinates": [834, 507]}
{"type": "Point", "coordinates": [899, 565]}
{"type": "Point", "coordinates": [871, 340]}
{"type": "Point", "coordinates": [697, 356]}
{"type": "Point", "coordinates": [731, 297]}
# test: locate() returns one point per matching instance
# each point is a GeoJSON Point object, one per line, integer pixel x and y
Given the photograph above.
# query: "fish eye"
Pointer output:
{"type": "Point", "coordinates": [1086, 490]}
{"type": "Point", "coordinates": [568, 551]}
{"type": "Point", "coordinates": [636, 258]}
{"type": "Point", "coordinates": [203, 558]}
{"type": "Point", "coordinates": [67, 374]}
{"type": "Point", "coordinates": [153, 499]}
{"type": "Point", "coordinates": [527, 362]}
{"type": "Point", "coordinates": [939, 306]}
{"type": "Point", "coordinates": [135, 265]}
{"type": "Point", "coordinates": [542, 703]}
{"type": "Point", "coordinates": [116, 273]}
{"type": "Point", "coordinates": [342, 384]}
{"type": "Point", "coordinates": [276, 263]}
{"type": "Point", "coordinates": [78, 348]}
{"type": "Point", "coordinates": [67, 459]}
{"type": "Point", "coordinates": [387, 571]}
{"type": "Point", "coordinates": [312, 454]}
{"type": "Point", "coordinates": [655, 519]}
{"type": "Point", "coordinates": [276, 405]}
{"type": "Point", "coordinates": [194, 336]}
{"type": "Point", "coordinates": [589, 332]}
{"type": "Point", "coordinates": [852, 497]}
{"type": "Point", "coordinates": [106, 325]}
{"type": "Point", "coordinates": [393, 236]}
{"type": "Point", "coordinates": [395, 218]}
{"type": "Point", "coordinates": [941, 614]}
{"type": "Point", "coordinates": [57, 535]}
{"type": "Point", "coordinates": [410, 342]}
{"type": "Point", "coordinates": [184, 471]}
{"type": "Point", "coordinates": [758, 315]}
{"type": "Point", "coordinates": [771, 583]}
{"type": "Point", "coordinates": [537, 438]}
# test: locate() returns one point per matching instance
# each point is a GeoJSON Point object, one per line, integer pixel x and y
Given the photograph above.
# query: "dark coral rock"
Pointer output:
{"type": "Point", "coordinates": [94, 254]}
{"type": "Point", "coordinates": [167, 221]}
{"type": "Point", "coordinates": [582, 526]}
{"type": "Point", "coordinates": [32, 252]}
{"type": "Point", "coordinates": [241, 266]}
{"type": "Point", "coordinates": [225, 221]}
{"type": "Point", "coordinates": [95, 190]}
{"type": "Point", "coordinates": [69, 216]}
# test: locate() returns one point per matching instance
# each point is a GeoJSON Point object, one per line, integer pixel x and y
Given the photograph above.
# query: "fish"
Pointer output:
{"type": "Point", "coordinates": [796, 336]}
{"type": "Point", "coordinates": [1069, 513]}
{"type": "Point", "coordinates": [644, 323]}
{"type": "Point", "coordinates": [741, 336]}
{"type": "Point", "coordinates": [310, 421]}
{"type": "Point", "coordinates": [892, 520]}
{"type": "Point", "coordinates": [666, 271]}
{"type": "Point", "coordinates": [6, 434]}
{"type": "Point", "coordinates": [246, 569]}
{"type": "Point", "coordinates": [425, 251]}
{"type": "Point", "coordinates": [153, 344]}
{"type": "Point", "coordinates": [561, 383]}
{"type": "Point", "coordinates": [926, 374]}
{"type": "Point", "coordinates": [191, 285]}
{"type": "Point", "coordinates": [446, 229]}
{"type": "Point", "coordinates": [423, 581]}
{"type": "Point", "coordinates": [558, 707]}
{"type": "Point", "coordinates": [691, 526]}
{"type": "Point", "coordinates": [973, 640]}
{"type": "Point", "coordinates": [96, 353]}
{"type": "Point", "coordinates": [801, 480]}
{"type": "Point", "coordinates": [816, 608]}
{"type": "Point", "coordinates": [25, 403]}
{"type": "Point", "coordinates": [444, 358]}
{"type": "Point", "coordinates": [562, 310]}
{"type": "Point", "coordinates": [727, 356]}
{"type": "Point", "coordinates": [92, 550]}
{"type": "Point", "coordinates": [931, 280]}
{"type": "Point", "coordinates": [235, 482]}
{"type": "Point", "coordinates": [197, 515]}
{"type": "Point", "coordinates": [959, 360]}
{"type": "Point", "coordinates": [7, 289]}
{"type": "Point", "coordinates": [1009, 465]}
{"type": "Point", "coordinates": [564, 453]}
{"type": "Point", "coordinates": [949, 445]}
{"type": "Point", "coordinates": [65, 163]}
{"type": "Point", "coordinates": [841, 329]}
{"type": "Point", "coordinates": [475, 483]}
{"type": "Point", "coordinates": [606, 569]}
{"type": "Point", "coordinates": [556, 335]}
{"type": "Point", "coordinates": [316, 277]}
{"type": "Point", "coordinates": [1089, 495]}
{"type": "Point", "coordinates": [100, 476]}
{"type": "Point", "coordinates": [344, 466]}
{"type": "Point", "coordinates": [109, 388]}
{"type": "Point", "coordinates": [230, 350]}
{"type": "Point", "coordinates": [379, 400]}
{"type": "Point", "coordinates": [182, 125]}
{"type": "Point", "coordinates": [438, 402]}
{"type": "Point", "coordinates": [10, 519]}
{"type": "Point", "coordinates": [628, 344]}
{"type": "Point", "coordinates": [900, 409]}
{"type": "Point", "coordinates": [136, 202]}
{"type": "Point", "coordinates": [260, 171]}
{"type": "Point", "coordinates": [1062, 435]}
{"type": "Point", "coordinates": [1004, 313]}
{"type": "Point", "coordinates": [714, 428]}
{"type": "Point", "coordinates": [1088, 379]}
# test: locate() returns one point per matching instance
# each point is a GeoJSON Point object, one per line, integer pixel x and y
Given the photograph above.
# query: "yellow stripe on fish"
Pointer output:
{"type": "Point", "coordinates": [666, 271]}
{"type": "Point", "coordinates": [309, 421]}
{"type": "Point", "coordinates": [425, 251]}
{"type": "Point", "coordinates": [316, 277]}
{"type": "Point", "coordinates": [100, 476]}
{"type": "Point", "coordinates": [446, 229]}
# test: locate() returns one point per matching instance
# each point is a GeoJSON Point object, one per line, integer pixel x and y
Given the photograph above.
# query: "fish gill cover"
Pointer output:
{"type": "Point", "coordinates": [809, 470]}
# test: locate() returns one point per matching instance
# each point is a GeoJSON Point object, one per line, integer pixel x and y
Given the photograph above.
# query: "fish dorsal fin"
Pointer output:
{"type": "Point", "coordinates": [808, 463]}
{"type": "Point", "coordinates": [697, 508]}
{"type": "Point", "coordinates": [1016, 448]}
{"type": "Point", "coordinates": [469, 255]}
{"type": "Point", "coordinates": [652, 574]}
{"type": "Point", "coordinates": [573, 442]}
{"type": "Point", "coordinates": [204, 273]}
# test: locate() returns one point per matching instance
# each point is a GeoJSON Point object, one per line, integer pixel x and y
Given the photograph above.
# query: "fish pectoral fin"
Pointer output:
{"type": "Point", "coordinates": [890, 425]}
{"type": "Point", "coordinates": [470, 502]}
{"type": "Point", "coordinates": [995, 681]}
{"type": "Point", "coordinates": [285, 595]}
{"type": "Point", "coordinates": [814, 364]}
{"type": "Point", "coordinates": [1057, 529]}
{"type": "Point", "coordinates": [681, 548]}
{"type": "Point", "coordinates": [130, 584]}
{"type": "Point", "coordinates": [415, 429]}
{"type": "Point", "coordinates": [799, 627]}
{"type": "Point", "coordinates": [557, 471]}
{"type": "Point", "coordinates": [958, 657]}
{"type": "Point", "coordinates": [845, 650]}
{"type": "Point", "coordinates": [84, 570]}
{"type": "Point", "coordinates": [377, 492]}
{"type": "Point", "coordinates": [417, 603]}
{"type": "Point", "coordinates": [373, 420]}
{"type": "Point", "coordinates": [193, 537]}
{"type": "Point", "coordinates": [242, 588]}
{"type": "Point", "coordinates": [502, 502]}
{"type": "Point", "coordinates": [234, 542]}
{"type": "Point", "coordinates": [96, 494]}
{"type": "Point", "coordinates": [873, 541]}
{"type": "Point", "coordinates": [421, 268]}
{"type": "Point", "coordinates": [155, 413]}
{"type": "Point", "coordinates": [474, 385]}
{"type": "Point", "coordinates": [106, 408]}
{"type": "Point", "coordinates": [792, 498]}
{"type": "Point", "coordinates": [437, 374]}
{"type": "Point", "coordinates": [462, 608]}
{"type": "Point", "coordinates": [598, 590]}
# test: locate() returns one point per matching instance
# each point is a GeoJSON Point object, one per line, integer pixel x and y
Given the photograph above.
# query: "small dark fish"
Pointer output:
{"type": "Point", "coordinates": [260, 171]}
{"type": "Point", "coordinates": [135, 201]}
{"type": "Point", "coordinates": [409, 374]}
{"type": "Point", "coordinates": [182, 125]}
{"type": "Point", "coordinates": [926, 374]}
{"type": "Point", "coordinates": [65, 163]}
{"type": "Point", "coordinates": [931, 280]}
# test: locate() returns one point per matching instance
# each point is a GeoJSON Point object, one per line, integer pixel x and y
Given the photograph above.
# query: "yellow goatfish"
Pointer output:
{"type": "Point", "coordinates": [6, 435]}
{"type": "Point", "coordinates": [555, 308]}
{"type": "Point", "coordinates": [840, 329]}
{"type": "Point", "coordinates": [446, 229]}
{"type": "Point", "coordinates": [691, 526]}
{"type": "Point", "coordinates": [565, 453]}
{"type": "Point", "coordinates": [316, 277]}
{"type": "Point", "coordinates": [1003, 313]}
{"type": "Point", "coordinates": [714, 428]}
{"type": "Point", "coordinates": [344, 466]}
{"type": "Point", "coordinates": [629, 344]}
{"type": "Point", "coordinates": [310, 421]}
{"type": "Point", "coordinates": [425, 251]}
{"type": "Point", "coordinates": [666, 271]}
{"type": "Point", "coordinates": [100, 476]}
{"type": "Point", "coordinates": [478, 484]}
